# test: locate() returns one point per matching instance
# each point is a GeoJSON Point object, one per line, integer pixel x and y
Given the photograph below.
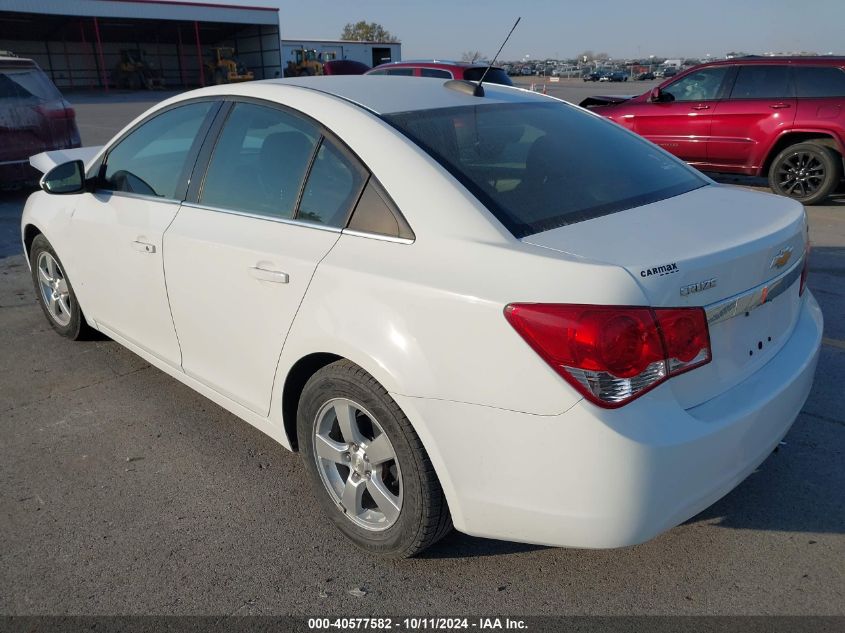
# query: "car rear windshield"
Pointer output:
{"type": "Point", "coordinates": [27, 83]}
{"type": "Point", "coordinates": [494, 75]}
{"type": "Point", "coordinates": [541, 166]}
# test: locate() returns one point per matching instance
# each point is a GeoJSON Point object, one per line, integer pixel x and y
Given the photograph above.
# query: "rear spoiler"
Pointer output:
{"type": "Point", "coordinates": [592, 102]}
{"type": "Point", "coordinates": [45, 161]}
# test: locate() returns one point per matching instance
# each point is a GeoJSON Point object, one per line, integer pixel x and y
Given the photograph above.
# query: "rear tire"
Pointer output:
{"type": "Point", "coordinates": [807, 172]}
{"type": "Point", "coordinates": [55, 292]}
{"type": "Point", "coordinates": [340, 458]}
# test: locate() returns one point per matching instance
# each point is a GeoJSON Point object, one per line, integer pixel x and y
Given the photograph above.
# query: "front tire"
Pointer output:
{"type": "Point", "coordinates": [55, 292]}
{"type": "Point", "coordinates": [807, 172]}
{"type": "Point", "coordinates": [368, 468]}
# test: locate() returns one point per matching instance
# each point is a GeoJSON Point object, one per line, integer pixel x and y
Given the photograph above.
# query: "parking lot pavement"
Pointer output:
{"type": "Point", "coordinates": [123, 491]}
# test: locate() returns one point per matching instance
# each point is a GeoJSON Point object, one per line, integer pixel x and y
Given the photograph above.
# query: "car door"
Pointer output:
{"type": "Point", "coordinates": [239, 257]}
{"type": "Point", "coordinates": [116, 230]}
{"type": "Point", "coordinates": [760, 106]}
{"type": "Point", "coordinates": [680, 121]}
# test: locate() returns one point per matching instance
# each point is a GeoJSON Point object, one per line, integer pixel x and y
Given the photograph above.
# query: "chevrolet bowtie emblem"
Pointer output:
{"type": "Point", "coordinates": [783, 255]}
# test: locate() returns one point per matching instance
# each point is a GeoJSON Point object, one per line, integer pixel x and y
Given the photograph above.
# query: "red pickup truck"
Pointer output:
{"type": "Point", "coordinates": [780, 117]}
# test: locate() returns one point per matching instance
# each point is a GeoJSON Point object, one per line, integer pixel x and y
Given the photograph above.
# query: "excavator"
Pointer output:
{"type": "Point", "coordinates": [225, 68]}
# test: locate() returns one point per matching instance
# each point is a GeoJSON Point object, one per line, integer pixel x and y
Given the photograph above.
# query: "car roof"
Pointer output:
{"type": "Point", "coordinates": [16, 62]}
{"type": "Point", "coordinates": [755, 59]}
{"type": "Point", "coordinates": [433, 63]}
{"type": "Point", "coordinates": [385, 95]}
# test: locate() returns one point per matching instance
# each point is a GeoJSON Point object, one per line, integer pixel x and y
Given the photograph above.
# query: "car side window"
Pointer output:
{"type": "Point", "coordinates": [151, 159]}
{"type": "Point", "coordinates": [700, 85]}
{"type": "Point", "coordinates": [819, 81]}
{"type": "Point", "coordinates": [435, 72]}
{"type": "Point", "coordinates": [259, 161]}
{"type": "Point", "coordinates": [333, 186]}
{"type": "Point", "coordinates": [761, 82]}
{"type": "Point", "coordinates": [404, 72]}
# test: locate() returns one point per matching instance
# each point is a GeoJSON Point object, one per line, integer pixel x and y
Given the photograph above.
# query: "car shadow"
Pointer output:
{"type": "Point", "coordinates": [756, 182]}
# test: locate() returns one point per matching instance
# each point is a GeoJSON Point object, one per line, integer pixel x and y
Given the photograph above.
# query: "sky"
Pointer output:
{"type": "Point", "coordinates": [621, 28]}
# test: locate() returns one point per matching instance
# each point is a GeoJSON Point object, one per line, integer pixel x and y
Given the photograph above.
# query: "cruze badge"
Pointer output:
{"type": "Point", "coordinates": [698, 286]}
{"type": "Point", "coordinates": [783, 255]}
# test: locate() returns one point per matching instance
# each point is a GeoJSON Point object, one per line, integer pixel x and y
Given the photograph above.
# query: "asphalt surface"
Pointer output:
{"type": "Point", "coordinates": [124, 492]}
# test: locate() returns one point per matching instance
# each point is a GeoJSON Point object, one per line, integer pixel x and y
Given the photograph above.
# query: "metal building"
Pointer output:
{"type": "Point", "coordinates": [80, 43]}
{"type": "Point", "coordinates": [370, 53]}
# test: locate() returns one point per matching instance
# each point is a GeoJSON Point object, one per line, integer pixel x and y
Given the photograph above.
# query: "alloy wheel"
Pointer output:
{"type": "Point", "coordinates": [800, 174]}
{"type": "Point", "coordinates": [54, 289]}
{"type": "Point", "coordinates": [357, 464]}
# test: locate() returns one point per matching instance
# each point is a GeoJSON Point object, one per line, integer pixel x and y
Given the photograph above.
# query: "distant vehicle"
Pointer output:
{"type": "Point", "coordinates": [670, 72]}
{"type": "Point", "coordinates": [344, 67]}
{"type": "Point", "coordinates": [444, 70]}
{"type": "Point", "coordinates": [307, 62]}
{"type": "Point", "coordinates": [224, 68]}
{"type": "Point", "coordinates": [617, 75]}
{"type": "Point", "coordinates": [526, 71]}
{"type": "Point", "coordinates": [781, 117]}
{"type": "Point", "coordinates": [134, 72]}
{"type": "Point", "coordinates": [645, 76]}
{"type": "Point", "coordinates": [594, 76]}
{"type": "Point", "coordinates": [34, 118]}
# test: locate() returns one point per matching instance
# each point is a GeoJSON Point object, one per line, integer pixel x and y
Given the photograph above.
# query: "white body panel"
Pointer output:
{"type": "Point", "coordinates": [253, 273]}
{"type": "Point", "coordinates": [426, 320]}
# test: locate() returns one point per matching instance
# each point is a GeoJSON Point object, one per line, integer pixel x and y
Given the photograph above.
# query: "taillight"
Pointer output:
{"type": "Point", "coordinates": [805, 270]}
{"type": "Point", "coordinates": [612, 354]}
{"type": "Point", "coordinates": [56, 110]}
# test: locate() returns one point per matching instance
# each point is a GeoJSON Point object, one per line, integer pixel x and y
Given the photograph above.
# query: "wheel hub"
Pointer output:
{"type": "Point", "coordinates": [359, 461]}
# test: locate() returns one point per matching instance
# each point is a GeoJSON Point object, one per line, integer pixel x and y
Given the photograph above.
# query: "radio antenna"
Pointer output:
{"type": "Point", "coordinates": [486, 70]}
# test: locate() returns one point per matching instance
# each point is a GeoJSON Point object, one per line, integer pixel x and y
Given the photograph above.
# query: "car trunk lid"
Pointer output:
{"type": "Point", "coordinates": [718, 247]}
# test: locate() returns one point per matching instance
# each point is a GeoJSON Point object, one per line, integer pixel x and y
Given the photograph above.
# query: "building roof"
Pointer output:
{"type": "Point", "coordinates": [182, 10]}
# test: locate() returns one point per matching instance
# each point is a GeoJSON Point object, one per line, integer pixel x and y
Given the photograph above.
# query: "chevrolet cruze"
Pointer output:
{"type": "Point", "coordinates": [474, 307]}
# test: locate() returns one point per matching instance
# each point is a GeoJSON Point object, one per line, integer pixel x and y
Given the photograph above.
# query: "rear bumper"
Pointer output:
{"type": "Point", "coordinates": [599, 478]}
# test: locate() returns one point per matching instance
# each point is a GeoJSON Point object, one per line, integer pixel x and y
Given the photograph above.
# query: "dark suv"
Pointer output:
{"type": "Point", "coordinates": [763, 116]}
{"type": "Point", "coordinates": [34, 117]}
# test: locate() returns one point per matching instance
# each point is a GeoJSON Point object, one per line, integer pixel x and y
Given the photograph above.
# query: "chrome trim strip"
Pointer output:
{"type": "Point", "coordinates": [753, 298]}
{"type": "Point", "coordinates": [258, 216]}
{"type": "Point", "coordinates": [377, 236]}
{"type": "Point", "coordinates": [135, 196]}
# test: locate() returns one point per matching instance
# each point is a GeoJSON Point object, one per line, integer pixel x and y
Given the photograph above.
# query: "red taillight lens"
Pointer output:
{"type": "Point", "coordinates": [57, 110]}
{"type": "Point", "coordinates": [805, 270]}
{"type": "Point", "coordinates": [613, 354]}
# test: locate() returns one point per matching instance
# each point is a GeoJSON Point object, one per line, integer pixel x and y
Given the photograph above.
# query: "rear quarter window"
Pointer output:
{"type": "Point", "coordinates": [820, 81]}
{"type": "Point", "coordinates": [541, 166]}
{"type": "Point", "coordinates": [27, 83]}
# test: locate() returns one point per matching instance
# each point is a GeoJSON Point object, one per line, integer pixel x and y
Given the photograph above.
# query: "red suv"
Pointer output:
{"type": "Point", "coordinates": [34, 117]}
{"type": "Point", "coordinates": [444, 70]}
{"type": "Point", "coordinates": [775, 116]}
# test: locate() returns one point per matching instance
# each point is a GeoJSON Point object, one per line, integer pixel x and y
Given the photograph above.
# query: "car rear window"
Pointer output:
{"type": "Point", "coordinates": [28, 83]}
{"type": "Point", "coordinates": [494, 76]}
{"type": "Point", "coordinates": [820, 81]}
{"type": "Point", "coordinates": [541, 166]}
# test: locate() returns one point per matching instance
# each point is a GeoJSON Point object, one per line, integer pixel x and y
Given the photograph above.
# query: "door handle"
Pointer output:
{"type": "Point", "coordinates": [779, 106]}
{"type": "Point", "coordinates": [700, 107]}
{"type": "Point", "coordinates": [263, 274]}
{"type": "Point", "coordinates": [143, 247]}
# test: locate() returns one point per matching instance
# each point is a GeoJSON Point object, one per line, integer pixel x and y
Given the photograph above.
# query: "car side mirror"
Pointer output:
{"type": "Point", "coordinates": [658, 96]}
{"type": "Point", "coordinates": [65, 178]}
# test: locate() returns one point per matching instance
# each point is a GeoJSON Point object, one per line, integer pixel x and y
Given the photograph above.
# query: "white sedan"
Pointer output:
{"type": "Point", "coordinates": [498, 312]}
